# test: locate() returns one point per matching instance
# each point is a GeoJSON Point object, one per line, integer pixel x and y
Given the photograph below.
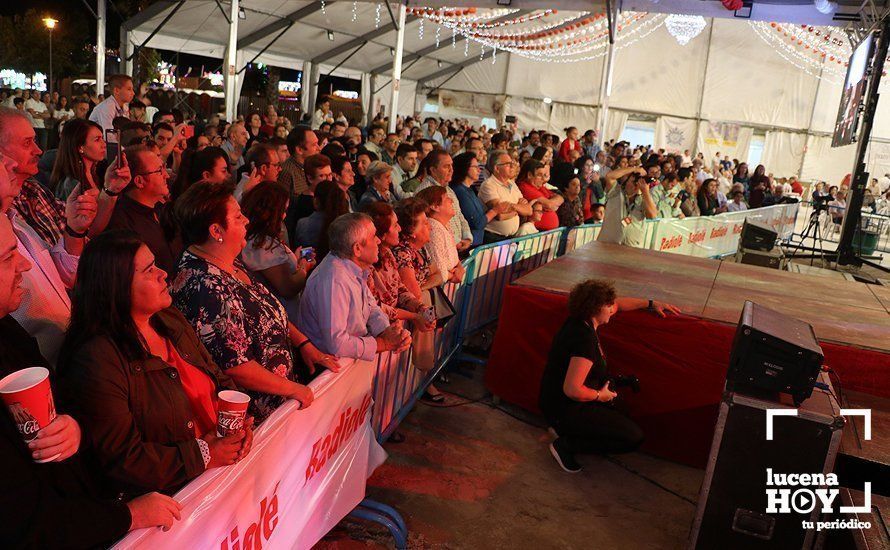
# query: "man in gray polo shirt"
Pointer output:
{"type": "Point", "coordinates": [628, 206]}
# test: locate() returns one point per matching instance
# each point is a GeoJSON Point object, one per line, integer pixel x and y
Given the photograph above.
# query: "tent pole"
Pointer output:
{"type": "Point", "coordinates": [806, 141]}
{"type": "Point", "coordinates": [304, 88]}
{"type": "Point", "coordinates": [701, 94]}
{"type": "Point", "coordinates": [126, 65]}
{"type": "Point", "coordinates": [231, 62]}
{"type": "Point", "coordinates": [397, 68]}
{"type": "Point", "coordinates": [606, 91]}
{"type": "Point", "coordinates": [100, 46]}
{"type": "Point", "coordinates": [314, 71]}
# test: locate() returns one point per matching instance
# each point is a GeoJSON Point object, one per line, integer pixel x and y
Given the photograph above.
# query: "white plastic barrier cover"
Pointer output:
{"type": "Point", "coordinates": [709, 236]}
{"type": "Point", "coordinates": [307, 470]}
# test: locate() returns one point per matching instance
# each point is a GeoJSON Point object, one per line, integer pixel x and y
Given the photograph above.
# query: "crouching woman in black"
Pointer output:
{"type": "Point", "coordinates": [575, 394]}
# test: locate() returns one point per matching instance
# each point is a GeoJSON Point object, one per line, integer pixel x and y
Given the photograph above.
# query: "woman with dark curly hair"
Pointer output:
{"type": "Point", "coordinates": [575, 389]}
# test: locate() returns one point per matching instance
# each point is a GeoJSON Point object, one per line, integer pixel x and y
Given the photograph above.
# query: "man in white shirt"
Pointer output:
{"type": "Point", "coordinates": [627, 208]}
{"type": "Point", "coordinates": [39, 113]}
{"type": "Point", "coordinates": [116, 105]}
{"type": "Point", "coordinates": [500, 188]}
{"type": "Point", "coordinates": [322, 114]}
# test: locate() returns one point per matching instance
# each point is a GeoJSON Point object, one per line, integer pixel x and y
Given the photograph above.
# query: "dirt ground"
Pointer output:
{"type": "Point", "coordinates": [472, 475]}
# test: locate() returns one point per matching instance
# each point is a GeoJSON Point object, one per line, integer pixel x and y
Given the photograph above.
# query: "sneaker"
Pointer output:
{"type": "Point", "coordinates": [564, 458]}
{"type": "Point", "coordinates": [436, 399]}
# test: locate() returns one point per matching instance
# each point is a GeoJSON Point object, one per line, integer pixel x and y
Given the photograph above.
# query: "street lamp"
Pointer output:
{"type": "Point", "coordinates": [50, 24]}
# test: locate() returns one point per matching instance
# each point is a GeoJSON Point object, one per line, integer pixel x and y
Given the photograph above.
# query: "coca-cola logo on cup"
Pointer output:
{"type": "Point", "coordinates": [229, 422]}
{"type": "Point", "coordinates": [24, 421]}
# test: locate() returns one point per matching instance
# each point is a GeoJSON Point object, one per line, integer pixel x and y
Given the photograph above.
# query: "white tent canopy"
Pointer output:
{"type": "Point", "coordinates": [727, 74]}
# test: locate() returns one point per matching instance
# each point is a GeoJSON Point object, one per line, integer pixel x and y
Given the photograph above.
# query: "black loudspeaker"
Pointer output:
{"type": "Point", "coordinates": [733, 509]}
{"type": "Point", "coordinates": [772, 352]}
{"type": "Point", "coordinates": [757, 236]}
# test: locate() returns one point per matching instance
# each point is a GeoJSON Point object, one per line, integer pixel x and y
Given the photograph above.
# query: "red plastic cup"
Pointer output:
{"type": "Point", "coordinates": [231, 410]}
{"type": "Point", "coordinates": [28, 395]}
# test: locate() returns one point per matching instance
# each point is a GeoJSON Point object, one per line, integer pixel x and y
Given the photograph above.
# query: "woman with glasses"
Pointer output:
{"type": "Point", "coordinates": [532, 177]}
{"type": "Point", "coordinates": [466, 173]}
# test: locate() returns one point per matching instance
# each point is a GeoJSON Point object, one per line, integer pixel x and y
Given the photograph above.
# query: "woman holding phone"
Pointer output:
{"type": "Point", "coordinates": [281, 270]}
{"type": "Point", "coordinates": [81, 149]}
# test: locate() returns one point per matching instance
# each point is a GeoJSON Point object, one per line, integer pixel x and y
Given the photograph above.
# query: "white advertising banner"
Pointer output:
{"type": "Point", "coordinates": [307, 470]}
{"type": "Point", "coordinates": [709, 236]}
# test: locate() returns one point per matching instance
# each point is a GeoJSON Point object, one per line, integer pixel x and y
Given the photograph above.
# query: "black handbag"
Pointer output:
{"type": "Point", "coordinates": [442, 305]}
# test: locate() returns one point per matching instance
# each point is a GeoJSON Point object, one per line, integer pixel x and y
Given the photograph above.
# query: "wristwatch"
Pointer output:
{"type": "Point", "coordinates": [111, 193]}
{"type": "Point", "coordinates": [75, 234]}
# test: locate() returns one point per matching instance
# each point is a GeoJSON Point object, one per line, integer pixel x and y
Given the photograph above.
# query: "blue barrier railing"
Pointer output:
{"type": "Point", "coordinates": [477, 301]}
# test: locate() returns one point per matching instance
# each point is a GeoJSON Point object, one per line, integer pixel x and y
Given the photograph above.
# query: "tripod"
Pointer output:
{"type": "Point", "coordinates": [813, 230]}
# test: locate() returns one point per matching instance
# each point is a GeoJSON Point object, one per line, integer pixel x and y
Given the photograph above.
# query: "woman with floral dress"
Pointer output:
{"type": "Point", "coordinates": [386, 285]}
{"type": "Point", "coordinates": [418, 274]}
{"type": "Point", "coordinates": [243, 326]}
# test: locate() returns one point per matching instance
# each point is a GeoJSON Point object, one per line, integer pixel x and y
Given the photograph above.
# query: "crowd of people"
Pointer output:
{"type": "Point", "coordinates": [150, 262]}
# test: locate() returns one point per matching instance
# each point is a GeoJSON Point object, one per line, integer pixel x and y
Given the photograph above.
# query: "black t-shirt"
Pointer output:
{"type": "Point", "coordinates": [576, 338]}
{"type": "Point", "coordinates": [18, 350]}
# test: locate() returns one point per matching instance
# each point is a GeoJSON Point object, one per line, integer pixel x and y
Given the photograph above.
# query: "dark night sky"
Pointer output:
{"type": "Point", "coordinates": [67, 9]}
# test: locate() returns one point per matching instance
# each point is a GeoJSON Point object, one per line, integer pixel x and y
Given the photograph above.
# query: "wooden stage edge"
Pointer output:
{"type": "Point", "coordinates": [843, 312]}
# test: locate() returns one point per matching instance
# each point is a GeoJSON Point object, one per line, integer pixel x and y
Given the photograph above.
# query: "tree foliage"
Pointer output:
{"type": "Point", "coordinates": [24, 43]}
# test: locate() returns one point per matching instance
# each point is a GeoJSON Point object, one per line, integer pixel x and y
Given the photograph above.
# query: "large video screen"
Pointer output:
{"type": "Point", "coordinates": [854, 90]}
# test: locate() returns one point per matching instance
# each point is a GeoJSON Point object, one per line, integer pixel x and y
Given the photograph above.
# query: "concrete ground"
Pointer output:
{"type": "Point", "coordinates": [470, 475]}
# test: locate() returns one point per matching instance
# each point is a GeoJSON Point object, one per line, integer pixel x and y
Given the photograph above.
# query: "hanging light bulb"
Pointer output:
{"type": "Point", "coordinates": [494, 54]}
{"type": "Point", "coordinates": [684, 27]}
{"type": "Point", "coordinates": [481, 52]}
{"type": "Point", "coordinates": [467, 47]}
{"type": "Point", "coordinates": [453, 39]}
{"type": "Point", "coordinates": [323, 8]}
{"type": "Point", "coordinates": [420, 30]}
{"type": "Point", "coordinates": [438, 30]}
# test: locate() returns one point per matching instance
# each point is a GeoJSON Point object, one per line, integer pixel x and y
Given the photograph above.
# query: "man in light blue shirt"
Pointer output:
{"type": "Point", "coordinates": [338, 313]}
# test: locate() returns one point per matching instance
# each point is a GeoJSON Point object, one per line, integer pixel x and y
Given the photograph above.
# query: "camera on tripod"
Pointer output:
{"type": "Point", "coordinates": [820, 204]}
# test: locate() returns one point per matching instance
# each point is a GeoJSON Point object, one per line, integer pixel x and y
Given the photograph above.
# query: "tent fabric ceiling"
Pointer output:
{"type": "Point", "coordinates": [200, 27]}
{"type": "Point", "coordinates": [726, 74]}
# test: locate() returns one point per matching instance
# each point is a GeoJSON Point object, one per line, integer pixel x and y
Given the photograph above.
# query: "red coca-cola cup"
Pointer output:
{"type": "Point", "coordinates": [231, 410]}
{"type": "Point", "coordinates": [29, 397]}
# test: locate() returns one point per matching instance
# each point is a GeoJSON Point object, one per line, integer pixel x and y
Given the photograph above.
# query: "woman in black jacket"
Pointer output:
{"type": "Point", "coordinates": [137, 375]}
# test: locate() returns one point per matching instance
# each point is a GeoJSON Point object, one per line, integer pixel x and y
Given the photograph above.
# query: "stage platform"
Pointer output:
{"type": "Point", "coordinates": [681, 361]}
{"type": "Point", "coordinates": [841, 311]}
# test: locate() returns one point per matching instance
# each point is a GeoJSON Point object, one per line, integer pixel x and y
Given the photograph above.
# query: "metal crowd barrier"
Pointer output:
{"type": "Point", "coordinates": [477, 300]}
{"type": "Point", "coordinates": [477, 303]}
